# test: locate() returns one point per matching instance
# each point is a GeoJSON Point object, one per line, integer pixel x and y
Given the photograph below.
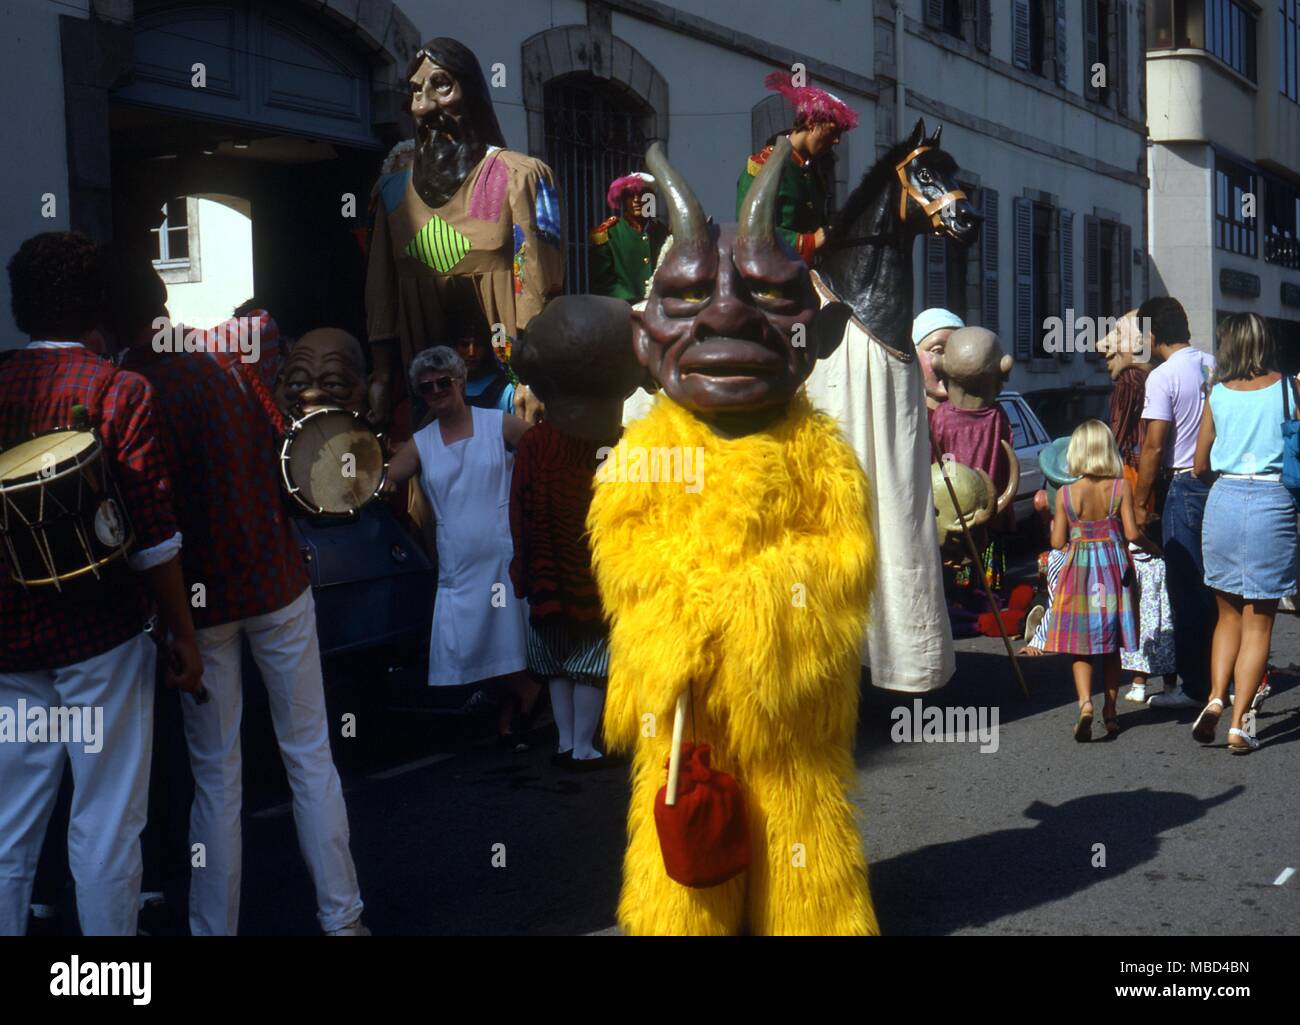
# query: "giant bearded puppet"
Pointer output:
{"type": "Point", "coordinates": [749, 592]}
{"type": "Point", "coordinates": [467, 220]}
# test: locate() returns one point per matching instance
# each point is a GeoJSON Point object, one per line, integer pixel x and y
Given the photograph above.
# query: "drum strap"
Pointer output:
{"type": "Point", "coordinates": [264, 398]}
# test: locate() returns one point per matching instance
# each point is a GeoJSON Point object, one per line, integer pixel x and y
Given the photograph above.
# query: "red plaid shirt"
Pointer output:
{"type": "Point", "coordinates": [41, 628]}
{"type": "Point", "coordinates": [220, 452]}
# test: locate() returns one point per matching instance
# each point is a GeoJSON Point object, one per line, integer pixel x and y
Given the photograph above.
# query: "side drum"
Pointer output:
{"type": "Point", "coordinates": [332, 463]}
{"type": "Point", "coordinates": [61, 515]}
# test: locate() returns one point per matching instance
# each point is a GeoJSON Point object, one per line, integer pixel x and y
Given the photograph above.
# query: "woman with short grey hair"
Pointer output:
{"type": "Point", "coordinates": [464, 458]}
{"type": "Point", "coordinates": [440, 360]}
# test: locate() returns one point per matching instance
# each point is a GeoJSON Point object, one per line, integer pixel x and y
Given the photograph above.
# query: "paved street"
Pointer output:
{"type": "Point", "coordinates": [959, 841]}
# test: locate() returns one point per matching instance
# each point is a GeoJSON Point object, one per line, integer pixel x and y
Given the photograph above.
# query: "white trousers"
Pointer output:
{"type": "Point", "coordinates": [110, 799]}
{"type": "Point", "coordinates": [286, 651]}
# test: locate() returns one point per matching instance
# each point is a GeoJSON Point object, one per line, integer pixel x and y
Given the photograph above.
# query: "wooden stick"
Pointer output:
{"type": "Point", "coordinates": [675, 757]}
{"type": "Point", "coordinates": [979, 566]}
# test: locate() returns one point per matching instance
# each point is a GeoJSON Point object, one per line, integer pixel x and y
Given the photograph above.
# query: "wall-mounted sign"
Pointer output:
{"type": "Point", "coordinates": [1237, 282]}
{"type": "Point", "coordinates": [1290, 293]}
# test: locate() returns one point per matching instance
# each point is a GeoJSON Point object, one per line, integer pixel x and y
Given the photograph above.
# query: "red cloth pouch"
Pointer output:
{"type": "Point", "coordinates": [704, 837]}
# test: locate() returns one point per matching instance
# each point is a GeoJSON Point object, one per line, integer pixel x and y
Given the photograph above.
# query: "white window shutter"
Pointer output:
{"type": "Point", "coordinates": [1091, 47]}
{"type": "Point", "coordinates": [1092, 270]}
{"type": "Point", "coordinates": [936, 271]}
{"type": "Point", "coordinates": [984, 25]}
{"type": "Point", "coordinates": [1024, 226]}
{"type": "Point", "coordinates": [1067, 277]}
{"type": "Point", "coordinates": [1125, 234]}
{"type": "Point", "coordinates": [1020, 33]}
{"type": "Point", "coordinates": [1121, 58]}
{"type": "Point", "coordinates": [989, 259]}
{"type": "Point", "coordinates": [1062, 44]}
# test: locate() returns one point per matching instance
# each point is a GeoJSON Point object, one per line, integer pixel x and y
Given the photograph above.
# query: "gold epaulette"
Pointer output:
{"type": "Point", "coordinates": [600, 233]}
{"type": "Point", "coordinates": [758, 160]}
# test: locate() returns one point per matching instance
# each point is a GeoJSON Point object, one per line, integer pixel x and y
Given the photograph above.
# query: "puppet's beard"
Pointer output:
{"type": "Point", "coordinates": [442, 163]}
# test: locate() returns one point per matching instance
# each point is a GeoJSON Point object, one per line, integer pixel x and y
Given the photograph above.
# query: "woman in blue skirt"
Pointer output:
{"type": "Point", "coordinates": [1249, 536]}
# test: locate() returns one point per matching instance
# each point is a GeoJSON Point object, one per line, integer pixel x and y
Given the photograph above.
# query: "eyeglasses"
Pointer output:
{"type": "Point", "coordinates": [436, 386]}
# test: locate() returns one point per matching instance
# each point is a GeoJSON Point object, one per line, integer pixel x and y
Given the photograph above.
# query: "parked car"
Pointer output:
{"type": "Point", "coordinates": [1061, 410]}
{"type": "Point", "coordinates": [1029, 437]}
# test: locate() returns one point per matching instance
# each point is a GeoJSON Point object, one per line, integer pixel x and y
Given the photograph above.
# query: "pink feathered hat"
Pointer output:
{"type": "Point", "coordinates": [813, 104]}
{"type": "Point", "coordinates": [628, 183]}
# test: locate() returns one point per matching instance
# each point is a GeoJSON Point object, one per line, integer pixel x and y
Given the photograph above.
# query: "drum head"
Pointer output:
{"type": "Point", "coordinates": [335, 462]}
{"type": "Point", "coordinates": [42, 454]}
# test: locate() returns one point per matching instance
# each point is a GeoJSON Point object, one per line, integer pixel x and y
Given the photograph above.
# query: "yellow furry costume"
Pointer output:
{"type": "Point", "coordinates": [755, 591]}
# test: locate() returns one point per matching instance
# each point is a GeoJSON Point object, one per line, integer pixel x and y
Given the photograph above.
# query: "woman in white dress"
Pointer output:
{"type": "Point", "coordinates": [464, 457]}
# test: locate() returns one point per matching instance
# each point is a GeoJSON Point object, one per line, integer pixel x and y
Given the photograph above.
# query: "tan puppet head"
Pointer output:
{"type": "Point", "coordinates": [1125, 346]}
{"type": "Point", "coordinates": [974, 367]}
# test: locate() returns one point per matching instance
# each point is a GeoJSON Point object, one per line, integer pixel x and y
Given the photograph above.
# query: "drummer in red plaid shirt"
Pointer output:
{"type": "Point", "coordinates": [85, 646]}
{"type": "Point", "coordinates": [247, 580]}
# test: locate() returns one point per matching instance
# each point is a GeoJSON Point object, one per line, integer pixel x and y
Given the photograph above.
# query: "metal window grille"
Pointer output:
{"type": "Point", "coordinates": [595, 132]}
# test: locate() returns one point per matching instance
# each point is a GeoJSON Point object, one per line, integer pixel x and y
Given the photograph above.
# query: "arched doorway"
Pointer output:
{"type": "Point", "coordinates": [595, 132]}
{"type": "Point", "coordinates": [594, 104]}
{"type": "Point", "coordinates": [288, 110]}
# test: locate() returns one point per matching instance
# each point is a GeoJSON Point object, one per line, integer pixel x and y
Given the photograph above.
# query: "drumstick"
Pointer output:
{"type": "Point", "coordinates": [675, 756]}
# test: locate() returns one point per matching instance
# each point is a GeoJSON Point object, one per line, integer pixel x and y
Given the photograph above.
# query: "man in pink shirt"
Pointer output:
{"type": "Point", "coordinates": [1175, 396]}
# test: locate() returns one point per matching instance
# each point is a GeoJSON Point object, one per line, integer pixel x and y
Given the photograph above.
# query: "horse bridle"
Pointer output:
{"type": "Point", "coordinates": [933, 208]}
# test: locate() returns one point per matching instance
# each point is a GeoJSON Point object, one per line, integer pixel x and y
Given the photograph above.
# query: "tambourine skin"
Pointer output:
{"type": "Point", "coordinates": [332, 463]}
{"type": "Point", "coordinates": [61, 514]}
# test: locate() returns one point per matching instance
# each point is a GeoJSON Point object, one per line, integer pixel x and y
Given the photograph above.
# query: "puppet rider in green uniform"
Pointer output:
{"type": "Point", "coordinates": [625, 248]}
{"type": "Point", "coordinates": [820, 119]}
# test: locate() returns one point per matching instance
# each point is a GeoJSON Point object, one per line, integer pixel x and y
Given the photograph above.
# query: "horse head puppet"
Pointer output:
{"type": "Point", "coordinates": [912, 190]}
{"type": "Point", "coordinates": [732, 325]}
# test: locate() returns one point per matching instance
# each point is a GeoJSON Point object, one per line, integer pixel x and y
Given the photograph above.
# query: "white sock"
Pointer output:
{"type": "Point", "coordinates": [562, 709]}
{"type": "Point", "coordinates": [588, 703]}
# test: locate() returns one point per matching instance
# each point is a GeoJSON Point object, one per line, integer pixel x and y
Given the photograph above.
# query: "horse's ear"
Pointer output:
{"type": "Point", "coordinates": [934, 139]}
{"type": "Point", "coordinates": [918, 133]}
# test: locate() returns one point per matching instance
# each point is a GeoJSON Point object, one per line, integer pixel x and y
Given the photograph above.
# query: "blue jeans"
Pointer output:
{"type": "Point", "coordinates": [1193, 603]}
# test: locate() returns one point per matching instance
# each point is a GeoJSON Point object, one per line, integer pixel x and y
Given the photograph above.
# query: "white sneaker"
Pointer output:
{"type": "Point", "coordinates": [1172, 699]}
{"type": "Point", "coordinates": [1138, 693]}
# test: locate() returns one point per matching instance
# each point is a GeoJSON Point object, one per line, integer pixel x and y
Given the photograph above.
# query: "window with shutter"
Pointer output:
{"type": "Point", "coordinates": [1061, 49]}
{"type": "Point", "coordinates": [1091, 47]}
{"type": "Point", "coordinates": [1020, 33]}
{"type": "Point", "coordinates": [1024, 229]}
{"type": "Point", "coordinates": [989, 260]}
{"type": "Point", "coordinates": [1092, 270]}
{"type": "Point", "coordinates": [1121, 58]}
{"type": "Point", "coordinates": [936, 271]}
{"type": "Point", "coordinates": [1067, 279]}
{"type": "Point", "coordinates": [934, 14]}
{"type": "Point", "coordinates": [1125, 234]}
{"type": "Point", "coordinates": [984, 25]}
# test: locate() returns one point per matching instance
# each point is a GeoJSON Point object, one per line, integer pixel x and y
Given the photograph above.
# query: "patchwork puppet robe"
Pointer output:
{"type": "Point", "coordinates": [496, 242]}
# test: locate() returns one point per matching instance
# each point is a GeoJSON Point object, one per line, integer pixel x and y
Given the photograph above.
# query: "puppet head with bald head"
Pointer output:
{"type": "Point", "coordinates": [326, 367]}
{"type": "Point", "coordinates": [732, 326]}
{"type": "Point", "coordinates": [974, 367]}
{"type": "Point", "coordinates": [577, 356]}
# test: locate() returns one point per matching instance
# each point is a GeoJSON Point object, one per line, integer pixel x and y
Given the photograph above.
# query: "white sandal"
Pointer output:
{"type": "Point", "coordinates": [1207, 723]}
{"type": "Point", "coordinates": [1249, 743]}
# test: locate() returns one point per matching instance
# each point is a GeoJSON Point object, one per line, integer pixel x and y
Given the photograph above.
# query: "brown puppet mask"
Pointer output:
{"type": "Point", "coordinates": [454, 119]}
{"type": "Point", "coordinates": [324, 368]}
{"type": "Point", "coordinates": [732, 326]}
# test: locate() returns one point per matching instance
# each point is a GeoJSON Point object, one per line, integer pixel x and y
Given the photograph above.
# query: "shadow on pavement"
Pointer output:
{"type": "Point", "coordinates": [971, 883]}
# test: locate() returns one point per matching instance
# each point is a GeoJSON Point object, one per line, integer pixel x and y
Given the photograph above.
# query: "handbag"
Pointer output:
{"type": "Point", "coordinates": [703, 833]}
{"type": "Point", "coordinates": [1290, 442]}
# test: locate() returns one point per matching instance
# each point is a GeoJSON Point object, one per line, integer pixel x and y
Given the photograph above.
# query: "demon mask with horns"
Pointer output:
{"type": "Point", "coordinates": [732, 326]}
{"type": "Point", "coordinates": [694, 581]}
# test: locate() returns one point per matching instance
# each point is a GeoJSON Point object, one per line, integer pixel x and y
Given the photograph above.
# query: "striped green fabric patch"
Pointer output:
{"type": "Point", "coordinates": [438, 245]}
